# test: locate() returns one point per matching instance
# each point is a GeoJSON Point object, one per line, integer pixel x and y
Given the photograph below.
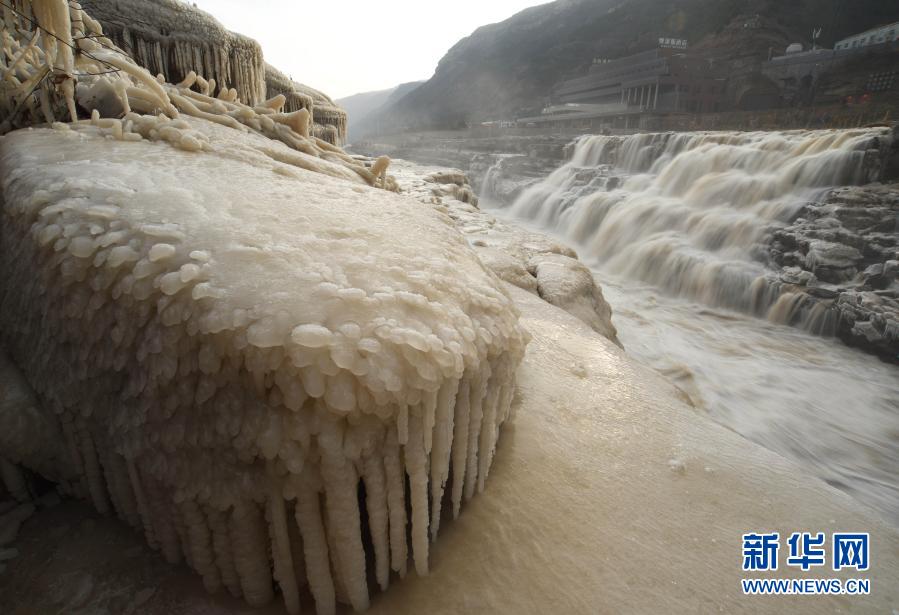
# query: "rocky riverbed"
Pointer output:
{"type": "Point", "coordinates": [833, 264]}
{"type": "Point", "coordinates": [842, 253]}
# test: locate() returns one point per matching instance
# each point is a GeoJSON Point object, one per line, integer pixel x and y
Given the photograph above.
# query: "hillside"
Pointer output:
{"type": "Point", "coordinates": [360, 106]}
{"type": "Point", "coordinates": [506, 69]}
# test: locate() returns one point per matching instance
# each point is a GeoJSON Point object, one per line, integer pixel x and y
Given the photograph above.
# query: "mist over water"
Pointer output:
{"type": "Point", "coordinates": [670, 224]}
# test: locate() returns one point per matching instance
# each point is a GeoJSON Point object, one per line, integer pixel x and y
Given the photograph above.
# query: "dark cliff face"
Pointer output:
{"type": "Point", "coordinates": [507, 69]}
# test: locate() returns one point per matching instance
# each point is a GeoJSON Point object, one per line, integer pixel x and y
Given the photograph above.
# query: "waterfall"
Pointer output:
{"type": "Point", "coordinates": [687, 212]}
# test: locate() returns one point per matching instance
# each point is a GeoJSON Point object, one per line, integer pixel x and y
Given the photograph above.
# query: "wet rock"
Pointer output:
{"type": "Point", "coordinates": [12, 521]}
{"type": "Point", "coordinates": [567, 283]}
{"type": "Point", "coordinates": [841, 251]}
{"type": "Point", "coordinates": [868, 330]}
{"type": "Point", "coordinates": [832, 262]}
{"type": "Point", "coordinates": [508, 268]}
{"type": "Point", "coordinates": [873, 277]}
{"type": "Point", "coordinates": [795, 275]}
{"type": "Point", "coordinates": [891, 270]}
{"type": "Point", "coordinates": [823, 293]}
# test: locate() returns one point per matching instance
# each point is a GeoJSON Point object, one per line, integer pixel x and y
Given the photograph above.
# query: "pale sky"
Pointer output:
{"type": "Point", "coordinates": [347, 47]}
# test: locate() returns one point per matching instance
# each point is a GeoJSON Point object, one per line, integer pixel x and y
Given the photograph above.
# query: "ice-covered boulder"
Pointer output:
{"type": "Point", "coordinates": [531, 261]}
{"type": "Point", "coordinates": [221, 328]}
{"type": "Point", "coordinates": [225, 334]}
{"type": "Point", "coordinates": [173, 38]}
{"type": "Point", "coordinates": [329, 118]}
{"type": "Point", "coordinates": [567, 283]}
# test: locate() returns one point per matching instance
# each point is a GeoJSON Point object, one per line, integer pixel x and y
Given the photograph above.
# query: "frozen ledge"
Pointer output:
{"type": "Point", "coordinates": [606, 496]}
{"type": "Point", "coordinates": [611, 496]}
{"type": "Point", "coordinates": [229, 344]}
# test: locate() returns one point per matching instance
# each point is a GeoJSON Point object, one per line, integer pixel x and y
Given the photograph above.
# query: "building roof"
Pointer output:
{"type": "Point", "coordinates": [870, 30]}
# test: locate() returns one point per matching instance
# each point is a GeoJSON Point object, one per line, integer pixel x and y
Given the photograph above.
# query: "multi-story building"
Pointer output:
{"type": "Point", "coordinates": [664, 79]}
{"type": "Point", "coordinates": [875, 36]}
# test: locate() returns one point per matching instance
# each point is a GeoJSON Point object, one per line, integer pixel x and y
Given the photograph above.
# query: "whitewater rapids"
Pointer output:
{"type": "Point", "coordinates": [670, 224]}
{"type": "Point", "coordinates": [686, 212]}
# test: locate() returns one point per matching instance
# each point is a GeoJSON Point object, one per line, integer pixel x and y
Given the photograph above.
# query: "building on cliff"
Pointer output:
{"type": "Point", "coordinates": [862, 64]}
{"type": "Point", "coordinates": [875, 36]}
{"type": "Point", "coordinates": [617, 93]}
{"type": "Point", "coordinates": [665, 78]}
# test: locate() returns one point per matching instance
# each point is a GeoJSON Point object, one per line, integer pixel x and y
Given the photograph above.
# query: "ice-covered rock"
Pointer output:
{"type": "Point", "coordinates": [329, 118]}
{"type": "Point", "coordinates": [173, 38]}
{"type": "Point", "coordinates": [262, 344]}
{"type": "Point", "coordinates": [567, 283]}
{"type": "Point", "coordinates": [840, 249]}
{"type": "Point", "coordinates": [508, 267]}
{"type": "Point", "coordinates": [219, 329]}
{"type": "Point", "coordinates": [528, 260]}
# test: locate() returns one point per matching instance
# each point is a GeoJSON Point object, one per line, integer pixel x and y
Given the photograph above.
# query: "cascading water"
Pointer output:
{"type": "Point", "coordinates": [686, 214]}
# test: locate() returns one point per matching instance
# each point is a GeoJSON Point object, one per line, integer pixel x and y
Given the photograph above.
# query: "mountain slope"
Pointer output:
{"type": "Point", "coordinates": [506, 69]}
{"type": "Point", "coordinates": [361, 106]}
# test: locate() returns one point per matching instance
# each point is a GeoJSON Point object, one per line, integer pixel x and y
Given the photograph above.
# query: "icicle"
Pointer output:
{"type": "Point", "coordinates": [340, 586]}
{"type": "Point", "coordinates": [198, 537]}
{"type": "Point", "coordinates": [163, 525]}
{"type": "Point", "coordinates": [68, 429]}
{"type": "Point", "coordinates": [281, 555]}
{"type": "Point", "coordinates": [221, 543]}
{"type": "Point", "coordinates": [402, 424]}
{"type": "Point", "coordinates": [104, 454]}
{"type": "Point", "coordinates": [92, 470]}
{"type": "Point", "coordinates": [416, 468]}
{"type": "Point", "coordinates": [396, 503]}
{"type": "Point", "coordinates": [249, 545]}
{"type": "Point", "coordinates": [181, 532]}
{"type": "Point", "coordinates": [476, 414]}
{"type": "Point", "coordinates": [121, 484]}
{"type": "Point", "coordinates": [488, 433]}
{"type": "Point", "coordinates": [296, 547]}
{"type": "Point", "coordinates": [460, 443]}
{"type": "Point", "coordinates": [341, 502]}
{"type": "Point", "coordinates": [142, 507]}
{"type": "Point", "coordinates": [376, 503]}
{"type": "Point", "coordinates": [315, 549]}
{"type": "Point", "coordinates": [440, 454]}
{"type": "Point", "coordinates": [428, 417]}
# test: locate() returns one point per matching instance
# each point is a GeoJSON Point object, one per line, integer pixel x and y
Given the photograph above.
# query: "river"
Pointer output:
{"type": "Point", "coordinates": [669, 224]}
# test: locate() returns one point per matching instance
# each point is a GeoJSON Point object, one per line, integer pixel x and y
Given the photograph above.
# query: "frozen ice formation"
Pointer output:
{"type": "Point", "coordinates": [329, 119]}
{"type": "Point", "coordinates": [67, 69]}
{"type": "Point", "coordinates": [567, 283]}
{"type": "Point", "coordinates": [219, 330]}
{"type": "Point", "coordinates": [30, 436]}
{"type": "Point", "coordinates": [173, 38]}
{"type": "Point", "coordinates": [530, 261]}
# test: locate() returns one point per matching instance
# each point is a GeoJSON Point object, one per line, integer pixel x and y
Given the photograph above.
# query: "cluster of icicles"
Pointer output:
{"type": "Point", "coordinates": [263, 451]}
{"type": "Point", "coordinates": [329, 119]}
{"type": "Point", "coordinates": [686, 211]}
{"type": "Point", "coordinates": [174, 37]}
{"type": "Point", "coordinates": [66, 63]}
